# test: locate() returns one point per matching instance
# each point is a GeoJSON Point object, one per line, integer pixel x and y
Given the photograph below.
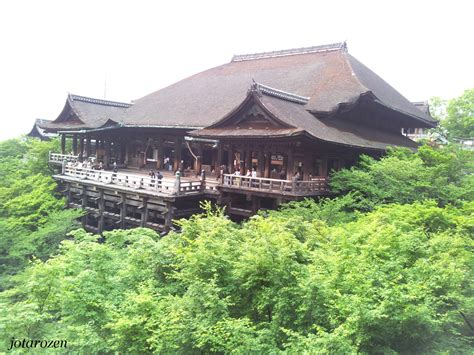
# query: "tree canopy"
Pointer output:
{"type": "Point", "coordinates": [456, 115]}
{"type": "Point", "coordinates": [384, 267]}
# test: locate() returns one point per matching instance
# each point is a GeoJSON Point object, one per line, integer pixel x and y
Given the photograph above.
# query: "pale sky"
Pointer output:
{"type": "Point", "coordinates": [49, 48]}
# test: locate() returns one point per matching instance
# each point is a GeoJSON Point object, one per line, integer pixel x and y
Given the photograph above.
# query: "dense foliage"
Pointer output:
{"type": "Point", "coordinates": [393, 280]}
{"type": "Point", "coordinates": [386, 267]}
{"type": "Point", "coordinates": [32, 219]}
{"type": "Point", "coordinates": [444, 175]}
{"type": "Point", "coordinates": [456, 115]}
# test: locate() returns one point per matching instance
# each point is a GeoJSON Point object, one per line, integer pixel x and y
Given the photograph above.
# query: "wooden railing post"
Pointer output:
{"type": "Point", "coordinates": [177, 183]}
{"type": "Point", "coordinates": [203, 180]}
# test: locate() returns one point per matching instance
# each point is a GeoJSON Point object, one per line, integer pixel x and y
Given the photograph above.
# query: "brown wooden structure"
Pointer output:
{"type": "Point", "coordinates": [262, 129]}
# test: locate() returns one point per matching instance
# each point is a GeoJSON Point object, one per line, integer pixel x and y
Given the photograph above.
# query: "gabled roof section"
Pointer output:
{"type": "Point", "coordinates": [39, 132]}
{"type": "Point", "coordinates": [82, 113]}
{"type": "Point", "coordinates": [326, 75]}
{"type": "Point", "coordinates": [295, 119]}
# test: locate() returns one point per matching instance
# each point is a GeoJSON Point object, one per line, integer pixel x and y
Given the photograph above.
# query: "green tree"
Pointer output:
{"type": "Point", "coordinates": [456, 115]}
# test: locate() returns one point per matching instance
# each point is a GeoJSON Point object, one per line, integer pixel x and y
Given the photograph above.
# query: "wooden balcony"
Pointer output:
{"type": "Point", "coordinates": [133, 182]}
{"type": "Point", "coordinates": [316, 186]}
{"type": "Point", "coordinates": [172, 186]}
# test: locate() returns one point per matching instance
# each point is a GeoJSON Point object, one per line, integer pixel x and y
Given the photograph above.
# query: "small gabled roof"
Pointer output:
{"type": "Point", "coordinates": [81, 112]}
{"type": "Point", "coordinates": [39, 132]}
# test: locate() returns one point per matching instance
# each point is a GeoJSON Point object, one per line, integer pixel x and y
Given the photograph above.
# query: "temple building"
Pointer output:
{"type": "Point", "coordinates": [250, 134]}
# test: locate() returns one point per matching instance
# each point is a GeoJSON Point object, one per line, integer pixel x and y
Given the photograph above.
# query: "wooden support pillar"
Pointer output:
{"type": "Point", "coordinates": [231, 158]}
{"type": "Point", "coordinates": [248, 160]}
{"type": "Point", "coordinates": [74, 144]}
{"type": "Point", "coordinates": [123, 210]}
{"type": "Point", "coordinates": [307, 166]}
{"type": "Point", "coordinates": [168, 216]}
{"type": "Point", "coordinates": [126, 150]}
{"type": "Point", "coordinates": [159, 157]}
{"type": "Point", "coordinates": [88, 147]}
{"type": "Point", "coordinates": [260, 163]}
{"type": "Point", "coordinates": [324, 166]}
{"type": "Point", "coordinates": [268, 160]}
{"type": "Point", "coordinates": [198, 162]}
{"type": "Point", "coordinates": [144, 210]}
{"type": "Point", "coordinates": [255, 204]}
{"type": "Point", "coordinates": [101, 203]}
{"type": "Point", "coordinates": [119, 151]}
{"type": "Point", "coordinates": [68, 195]}
{"type": "Point", "coordinates": [81, 147]}
{"type": "Point", "coordinates": [63, 144]}
{"type": "Point", "coordinates": [177, 153]}
{"type": "Point", "coordinates": [290, 164]}
{"type": "Point", "coordinates": [106, 153]}
{"type": "Point", "coordinates": [220, 152]}
{"type": "Point", "coordinates": [84, 204]}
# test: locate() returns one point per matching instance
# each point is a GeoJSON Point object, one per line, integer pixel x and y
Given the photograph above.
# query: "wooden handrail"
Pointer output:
{"type": "Point", "coordinates": [133, 181]}
{"type": "Point", "coordinates": [316, 185]}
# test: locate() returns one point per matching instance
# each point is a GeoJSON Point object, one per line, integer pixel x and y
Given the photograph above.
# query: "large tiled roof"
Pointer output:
{"type": "Point", "coordinates": [323, 79]}
{"type": "Point", "coordinates": [327, 75]}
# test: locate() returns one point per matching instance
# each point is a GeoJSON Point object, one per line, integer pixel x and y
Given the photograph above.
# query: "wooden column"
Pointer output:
{"type": "Point", "coordinates": [101, 202]}
{"type": "Point", "coordinates": [144, 210]}
{"type": "Point", "coordinates": [168, 216]}
{"type": "Point", "coordinates": [84, 204]}
{"type": "Point", "coordinates": [198, 162]}
{"type": "Point", "coordinates": [290, 164]}
{"type": "Point", "coordinates": [220, 152]}
{"type": "Point", "coordinates": [231, 157]}
{"type": "Point", "coordinates": [248, 160]}
{"type": "Point", "coordinates": [123, 210]}
{"type": "Point", "coordinates": [268, 158]}
{"type": "Point", "coordinates": [81, 147]}
{"type": "Point", "coordinates": [307, 166]}
{"type": "Point", "coordinates": [324, 166]}
{"type": "Point", "coordinates": [88, 146]}
{"type": "Point", "coordinates": [106, 153]}
{"type": "Point", "coordinates": [260, 164]}
{"type": "Point", "coordinates": [74, 144]}
{"type": "Point", "coordinates": [63, 144]}
{"type": "Point", "coordinates": [159, 156]}
{"type": "Point", "coordinates": [177, 153]}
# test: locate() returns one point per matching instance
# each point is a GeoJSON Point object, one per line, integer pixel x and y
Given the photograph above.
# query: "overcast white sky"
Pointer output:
{"type": "Point", "coordinates": [49, 48]}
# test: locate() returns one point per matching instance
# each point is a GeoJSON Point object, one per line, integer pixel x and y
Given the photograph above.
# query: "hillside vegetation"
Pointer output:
{"type": "Point", "coordinates": [385, 267]}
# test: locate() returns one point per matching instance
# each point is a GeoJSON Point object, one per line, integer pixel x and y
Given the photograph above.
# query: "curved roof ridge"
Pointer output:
{"type": "Point", "coordinates": [284, 95]}
{"type": "Point", "coordinates": [92, 100]}
{"type": "Point", "coordinates": [293, 51]}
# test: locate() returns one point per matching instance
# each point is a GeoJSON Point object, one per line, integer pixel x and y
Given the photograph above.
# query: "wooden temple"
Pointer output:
{"type": "Point", "coordinates": [261, 130]}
